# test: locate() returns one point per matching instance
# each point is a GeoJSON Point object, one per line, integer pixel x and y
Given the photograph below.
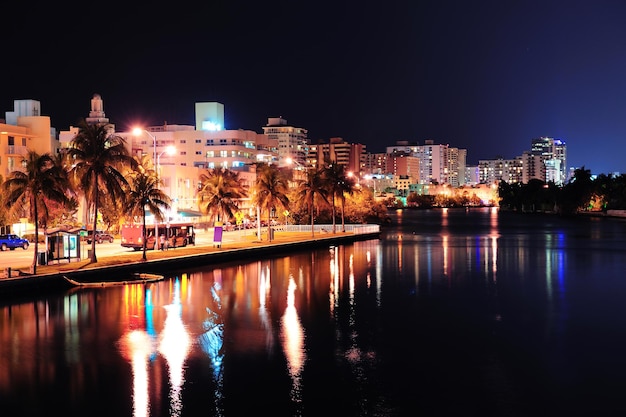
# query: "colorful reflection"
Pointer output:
{"type": "Point", "coordinates": [137, 346]}
{"type": "Point", "coordinates": [256, 331]}
{"type": "Point", "coordinates": [174, 344]}
{"type": "Point", "coordinates": [292, 337]}
{"type": "Point", "coordinates": [212, 340]}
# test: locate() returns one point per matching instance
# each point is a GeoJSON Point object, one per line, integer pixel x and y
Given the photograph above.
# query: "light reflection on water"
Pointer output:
{"type": "Point", "coordinates": [454, 304]}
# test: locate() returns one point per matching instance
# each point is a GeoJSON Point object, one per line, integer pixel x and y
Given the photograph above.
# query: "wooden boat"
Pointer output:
{"type": "Point", "coordinates": [137, 278]}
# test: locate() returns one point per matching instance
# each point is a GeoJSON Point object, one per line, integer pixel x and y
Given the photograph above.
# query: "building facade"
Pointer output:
{"type": "Point", "coordinates": [292, 141]}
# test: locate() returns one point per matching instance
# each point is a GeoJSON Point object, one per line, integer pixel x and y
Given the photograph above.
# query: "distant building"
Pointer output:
{"type": "Point", "coordinates": [404, 166]}
{"type": "Point", "coordinates": [351, 155]}
{"type": "Point", "coordinates": [533, 167]}
{"type": "Point", "coordinates": [495, 170]}
{"type": "Point", "coordinates": [439, 164]}
{"type": "Point", "coordinates": [292, 141]}
{"type": "Point", "coordinates": [553, 153]}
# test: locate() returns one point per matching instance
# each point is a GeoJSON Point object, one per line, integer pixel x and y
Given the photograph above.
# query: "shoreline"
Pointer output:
{"type": "Point", "coordinates": [51, 277]}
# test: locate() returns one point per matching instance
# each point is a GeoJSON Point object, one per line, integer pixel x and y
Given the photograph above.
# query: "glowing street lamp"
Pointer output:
{"type": "Point", "coordinates": [138, 132]}
{"type": "Point", "coordinates": [170, 151]}
{"type": "Point", "coordinates": [290, 161]}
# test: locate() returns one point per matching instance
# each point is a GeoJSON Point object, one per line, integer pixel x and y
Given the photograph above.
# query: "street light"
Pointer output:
{"type": "Point", "coordinates": [290, 161]}
{"type": "Point", "coordinates": [138, 132]}
{"type": "Point", "coordinates": [170, 150]}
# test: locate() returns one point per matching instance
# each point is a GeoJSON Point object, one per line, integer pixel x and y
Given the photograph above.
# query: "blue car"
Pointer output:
{"type": "Point", "coordinates": [12, 241]}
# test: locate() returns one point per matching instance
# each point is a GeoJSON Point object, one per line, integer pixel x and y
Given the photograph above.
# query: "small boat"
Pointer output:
{"type": "Point", "coordinates": [137, 278]}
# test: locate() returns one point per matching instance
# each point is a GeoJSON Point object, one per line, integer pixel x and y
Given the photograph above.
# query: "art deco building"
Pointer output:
{"type": "Point", "coordinates": [24, 129]}
{"type": "Point", "coordinates": [194, 149]}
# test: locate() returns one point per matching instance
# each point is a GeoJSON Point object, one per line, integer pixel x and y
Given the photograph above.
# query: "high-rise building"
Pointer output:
{"type": "Point", "coordinates": [292, 141]}
{"type": "Point", "coordinates": [404, 166]}
{"type": "Point", "coordinates": [456, 166]}
{"type": "Point", "coordinates": [351, 155]}
{"type": "Point", "coordinates": [494, 170]}
{"type": "Point", "coordinates": [553, 154]}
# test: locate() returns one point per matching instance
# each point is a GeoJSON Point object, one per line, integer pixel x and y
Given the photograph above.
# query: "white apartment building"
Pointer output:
{"type": "Point", "coordinates": [194, 150]}
{"type": "Point", "coordinates": [292, 141]}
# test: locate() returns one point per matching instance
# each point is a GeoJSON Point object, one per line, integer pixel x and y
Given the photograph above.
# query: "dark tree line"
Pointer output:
{"type": "Point", "coordinates": [581, 193]}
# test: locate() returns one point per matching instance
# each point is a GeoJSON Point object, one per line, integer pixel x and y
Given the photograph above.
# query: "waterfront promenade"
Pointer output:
{"type": "Point", "coordinates": [205, 251]}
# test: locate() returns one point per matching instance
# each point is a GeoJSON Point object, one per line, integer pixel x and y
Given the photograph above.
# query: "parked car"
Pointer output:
{"type": "Point", "coordinates": [100, 237]}
{"type": "Point", "coordinates": [11, 242]}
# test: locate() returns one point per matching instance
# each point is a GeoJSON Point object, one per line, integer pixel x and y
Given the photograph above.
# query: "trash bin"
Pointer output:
{"type": "Point", "coordinates": [42, 258]}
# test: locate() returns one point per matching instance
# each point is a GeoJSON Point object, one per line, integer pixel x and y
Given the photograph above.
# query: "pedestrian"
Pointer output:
{"type": "Point", "coordinates": [162, 241]}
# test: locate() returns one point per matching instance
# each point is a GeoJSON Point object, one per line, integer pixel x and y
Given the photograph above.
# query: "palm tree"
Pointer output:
{"type": "Point", "coordinates": [95, 158]}
{"type": "Point", "coordinates": [271, 188]}
{"type": "Point", "coordinates": [311, 190]}
{"type": "Point", "coordinates": [144, 192]}
{"type": "Point", "coordinates": [345, 184]}
{"type": "Point", "coordinates": [338, 182]}
{"type": "Point", "coordinates": [219, 193]}
{"type": "Point", "coordinates": [42, 182]}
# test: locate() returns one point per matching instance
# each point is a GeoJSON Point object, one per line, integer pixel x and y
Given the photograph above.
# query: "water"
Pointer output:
{"type": "Point", "coordinates": [452, 312]}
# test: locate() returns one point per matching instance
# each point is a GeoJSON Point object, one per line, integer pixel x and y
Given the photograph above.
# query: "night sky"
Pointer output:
{"type": "Point", "coordinates": [488, 76]}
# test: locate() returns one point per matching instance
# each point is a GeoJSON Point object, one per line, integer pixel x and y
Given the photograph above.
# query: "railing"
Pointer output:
{"type": "Point", "coordinates": [357, 229]}
{"type": "Point", "coordinates": [16, 150]}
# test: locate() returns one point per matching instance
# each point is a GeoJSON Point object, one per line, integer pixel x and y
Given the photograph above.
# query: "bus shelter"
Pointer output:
{"type": "Point", "coordinates": [61, 244]}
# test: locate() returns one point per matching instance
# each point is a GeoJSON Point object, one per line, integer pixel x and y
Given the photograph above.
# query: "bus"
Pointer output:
{"type": "Point", "coordinates": [176, 235]}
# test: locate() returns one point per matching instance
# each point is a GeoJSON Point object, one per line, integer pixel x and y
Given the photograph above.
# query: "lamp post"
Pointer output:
{"type": "Point", "coordinates": [137, 132]}
{"type": "Point", "coordinates": [170, 150]}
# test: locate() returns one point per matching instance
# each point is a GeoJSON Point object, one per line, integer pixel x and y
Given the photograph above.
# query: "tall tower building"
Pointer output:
{"type": "Point", "coordinates": [553, 154]}
{"type": "Point", "coordinates": [96, 115]}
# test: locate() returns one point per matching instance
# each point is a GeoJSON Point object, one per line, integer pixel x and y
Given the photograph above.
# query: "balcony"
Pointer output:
{"type": "Point", "coordinates": [15, 150]}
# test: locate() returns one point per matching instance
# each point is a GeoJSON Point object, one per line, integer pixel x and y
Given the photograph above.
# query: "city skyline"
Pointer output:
{"type": "Point", "coordinates": [487, 77]}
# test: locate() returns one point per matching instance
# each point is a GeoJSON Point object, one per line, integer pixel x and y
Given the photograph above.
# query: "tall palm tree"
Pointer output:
{"type": "Point", "coordinates": [313, 190]}
{"type": "Point", "coordinates": [96, 157]}
{"type": "Point", "coordinates": [43, 181]}
{"type": "Point", "coordinates": [333, 174]}
{"type": "Point", "coordinates": [219, 193]}
{"type": "Point", "coordinates": [144, 192]}
{"type": "Point", "coordinates": [271, 188]}
{"type": "Point", "coordinates": [340, 184]}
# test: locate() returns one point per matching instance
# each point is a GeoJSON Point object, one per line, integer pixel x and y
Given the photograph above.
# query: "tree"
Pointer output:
{"type": "Point", "coordinates": [576, 194]}
{"type": "Point", "coordinates": [313, 190]}
{"type": "Point", "coordinates": [31, 191]}
{"type": "Point", "coordinates": [145, 192]}
{"type": "Point", "coordinates": [96, 157]}
{"type": "Point", "coordinates": [346, 185]}
{"type": "Point", "coordinates": [220, 192]}
{"type": "Point", "coordinates": [271, 188]}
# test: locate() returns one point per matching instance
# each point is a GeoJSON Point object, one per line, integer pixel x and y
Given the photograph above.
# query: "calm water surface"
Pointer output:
{"type": "Point", "coordinates": [451, 312]}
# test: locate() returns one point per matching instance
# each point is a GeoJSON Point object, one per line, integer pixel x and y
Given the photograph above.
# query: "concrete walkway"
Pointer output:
{"type": "Point", "coordinates": [159, 262]}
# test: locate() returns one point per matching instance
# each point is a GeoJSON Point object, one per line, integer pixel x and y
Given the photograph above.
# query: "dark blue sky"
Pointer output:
{"type": "Point", "coordinates": [488, 76]}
